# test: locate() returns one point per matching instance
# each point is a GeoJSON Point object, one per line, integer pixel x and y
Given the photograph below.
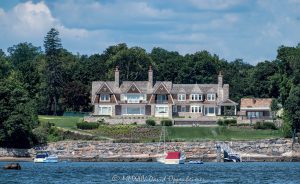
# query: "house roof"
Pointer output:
{"type": "Point", "coordinates": [141, 85]}
{"type": "Point", "coordinates": [256, 103]}
{"type": "Point", "coordinates": [194, 88]}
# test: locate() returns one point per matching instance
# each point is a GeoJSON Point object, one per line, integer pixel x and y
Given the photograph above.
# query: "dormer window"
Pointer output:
{"type": "Point", "coordinates": [104, 97]}
{"type": "Point", "coordinates": [196, 97]}
{"type": "Point", "coordinates": [181, 97]}
{"type": "Point", "coordinates": [211, 97]}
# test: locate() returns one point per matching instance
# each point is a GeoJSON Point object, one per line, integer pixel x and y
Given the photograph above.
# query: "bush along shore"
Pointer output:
{"type": "Point", "coordinates": [259, 150]}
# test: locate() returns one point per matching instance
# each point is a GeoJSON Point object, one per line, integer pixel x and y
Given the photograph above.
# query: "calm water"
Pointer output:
{"type": "Point", "coordinates": [76, 172]}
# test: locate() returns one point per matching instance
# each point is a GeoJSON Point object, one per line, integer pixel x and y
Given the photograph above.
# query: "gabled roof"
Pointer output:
{"type": "Point", "coordinates": [141, 85]}
{"type": "Point", "coordinates": [161, 89]}
{"type": "Point", "coordinates": [104, 89]}
{"type": "Point", "coordinates": [167, 84]}
{"type": "Point", "coordinates": [196, 89]}
{"type": "Point", "coordinates": [133, 89]}
{"type": "Point", "coordinates": [227, 102]}
{"type": "Point", "coordinates": [256, 102]}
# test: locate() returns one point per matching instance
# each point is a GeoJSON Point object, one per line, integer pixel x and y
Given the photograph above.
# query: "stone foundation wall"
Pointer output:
{"type": "Point", "coordinates": [261, 150]}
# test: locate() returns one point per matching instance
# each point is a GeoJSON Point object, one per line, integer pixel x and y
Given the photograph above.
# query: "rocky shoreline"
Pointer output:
{"type": "Point", "coordinates": [269, 150]}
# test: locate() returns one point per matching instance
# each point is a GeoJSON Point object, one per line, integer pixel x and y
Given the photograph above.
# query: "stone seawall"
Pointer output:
{"type": "Point", "coordinates": [260, 150]}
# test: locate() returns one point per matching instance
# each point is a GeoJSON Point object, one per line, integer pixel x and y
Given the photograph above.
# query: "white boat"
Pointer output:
{"type": "Point", "coordinates": [45, 158]}
{"type": "Point", "coordinates": [175, 157]}
{"type": "Point", "coordinates": [196, 162]}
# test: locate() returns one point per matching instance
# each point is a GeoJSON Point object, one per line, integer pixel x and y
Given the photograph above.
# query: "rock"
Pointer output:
{"type": "Point", "coordinates": [13, 166]}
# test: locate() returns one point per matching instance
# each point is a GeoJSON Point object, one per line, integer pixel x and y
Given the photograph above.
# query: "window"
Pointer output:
{"type": "Point", "coordinates": [211, 97]}
{"type": "Point", "coordinates": [211, 110]}
{"type": "Point", "coordinates": [161, 109]}
{"type": "Point", "coordinates": [181, 97]}
{"type": "Point", "coordinates": [195, 109]}
{"type": "Point", "coordinates": [183, 109]}
{"type": "Point", "coordinates": [133, 98]}
{"type": "Point", "coordinates": [133, 110]}
{"type": "Point", "coordinates": [174, 108]}
{"type": "Point", "coordinates": [196, 97]}
{"type": "Point", "coordinates": [105, 110]}
{"type": "Point", "coordinates": [104, 97]}
{"type": "Point", "coordinates": [161, 99]}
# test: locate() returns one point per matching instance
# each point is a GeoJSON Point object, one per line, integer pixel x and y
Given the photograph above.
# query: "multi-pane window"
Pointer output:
{"type": "Point", "coordinates": [104, 97]}
{"type": "Point", "coordinates": [181, 97]}
{"type": "Point", "coordinates": [105, 110]}
{"type": "Point", "coordinates": [196, 97]}
{"type": "Point", "coordinates": [161, 110]}
{"type": "Point", "coordinates": [211, 97]}
{"type": "Point", "coordinates": [195, 109]}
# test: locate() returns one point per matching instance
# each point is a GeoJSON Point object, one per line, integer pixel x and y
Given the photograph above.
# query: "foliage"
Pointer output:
{"type": "Point", "coordinates": [264, 125]}
{"type": "Point", "coordinates": [18, 115]}
{"type": "Point", "coordinates": [150, 122]}
{"type": "Point", "coordinates": [87, 125]}
{"type": "Point", "coordinates": [53, 69]}
{"type": "Point", "coordinates": [292, 107]}
{"type": "Point", "coordinates": [166, 122]}
{"type": "Point", "coordinates": [227, 122]}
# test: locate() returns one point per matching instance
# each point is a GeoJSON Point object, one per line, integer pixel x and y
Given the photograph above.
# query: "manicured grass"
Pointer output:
{"type": "Point", "coordinates": [62, 121]}
{"type": "Point", "coordinates": [219, 133]}
{"type": "Point", "coordinates": [144, 133]}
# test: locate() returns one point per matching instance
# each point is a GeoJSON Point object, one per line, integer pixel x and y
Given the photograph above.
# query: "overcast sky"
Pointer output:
{"type": "Point", "coordinates": [250, 30]}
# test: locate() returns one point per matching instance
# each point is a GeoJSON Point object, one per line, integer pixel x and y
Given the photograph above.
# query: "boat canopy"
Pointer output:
{"type": "Point", "coordinates": [173, 155]}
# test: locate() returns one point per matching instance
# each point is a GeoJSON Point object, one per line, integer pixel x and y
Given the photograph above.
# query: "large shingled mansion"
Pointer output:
{"type": "Point", "coordinates": [160, 98]}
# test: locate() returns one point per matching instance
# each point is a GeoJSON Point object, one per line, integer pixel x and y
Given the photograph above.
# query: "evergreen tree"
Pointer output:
{"type": "Point", "coordinates": [54, 81]}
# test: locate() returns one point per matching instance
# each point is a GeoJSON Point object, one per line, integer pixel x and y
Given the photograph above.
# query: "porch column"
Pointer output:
{"type": "Point", "coordinates": [235, 110]}
{"type": "Point", "coordinates": [219, 110]}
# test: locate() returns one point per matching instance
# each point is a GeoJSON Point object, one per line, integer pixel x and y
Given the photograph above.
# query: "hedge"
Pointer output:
{"type": "Point", "coordinates": [227, 122]}
{"type": "Point", "coordinates": [150, 122]}
{"type": "Point", "coordinates": [87, 126]}
{"type": "Point", "coordinates": [166, 122]}
{"type": "Point", "coordinates": [265, 125]}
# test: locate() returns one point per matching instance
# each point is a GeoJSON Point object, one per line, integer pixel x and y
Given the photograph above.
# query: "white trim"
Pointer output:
{"type": "Point", "coordinates": [199, 97]}
{"type": "Point", "coordinates": [104, 100]}
{"type": "Point", "coordinates": [124, 110]}
{"type": "Point", "coordinates": [197, 109]}
{"type": "Point", "coordinates": [255, 108]}
{"type": "Point", "coordinates": [181, 94]}
{"type": "Point", "coordinates": [104, 106]}
{"type": "Point", "coordinates": [213, 97]}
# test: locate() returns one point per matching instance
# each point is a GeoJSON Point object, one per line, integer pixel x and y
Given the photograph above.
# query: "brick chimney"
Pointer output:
{"type": "Point", "coordinates": [150, 77]}
{"type": "Point", "coordinates": [117, 76]}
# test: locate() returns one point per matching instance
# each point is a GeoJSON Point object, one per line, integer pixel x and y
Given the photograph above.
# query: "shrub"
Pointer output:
{"type": "Point", "coordinates": [150, 122]}
{"type": "Point", "coordinates": [265, 125]}
{"type": "Point", "coordinates": [87, 126]}
{"type": "Point", "coordinates": [227, 122]}
{"type": "Point", "coordinates": [220, 122]}
{"type": "Point", "coordinates": [166, 122]}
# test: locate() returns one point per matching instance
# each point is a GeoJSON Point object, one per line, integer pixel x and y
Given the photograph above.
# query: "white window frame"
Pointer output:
{"type": "Point", "coordinates": [106, 99]}
{"type": "Point", "coordinates": [211, 97]}
{"type": "Point", "coordinates": [196, 109]}
{"type": "Point", "coordinates": [196, 97]}
{"type": "Point", "coordinates": [211, 114]}
{"type": "Point", "coordinates": [141, 109]}
{"type": "Point", "coordinates": [141, 97]}
{"type": "Point", "coordinates": [161, 114]}
{"type": "Point", "coordinates": [105, 106]}
{"type": "Point", "coordinates": [181, 97]}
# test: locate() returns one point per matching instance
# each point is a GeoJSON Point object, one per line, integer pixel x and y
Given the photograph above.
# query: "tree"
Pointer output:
{"type": "Point", "coordinates": [292, 107]}
{"type": "Point", "coordinates": [54, 80]}
{"type": "Point", "coordinates": [18, 114]}
{"type": "Point", "coordinates": [23, 57]}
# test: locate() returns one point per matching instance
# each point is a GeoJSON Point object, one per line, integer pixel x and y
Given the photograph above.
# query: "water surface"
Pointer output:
{"type": "Point", "coordinates": [99, 172]}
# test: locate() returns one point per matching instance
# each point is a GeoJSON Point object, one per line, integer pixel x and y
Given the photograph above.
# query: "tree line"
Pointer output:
{"type": "Point", "coordinates": [54, 80]}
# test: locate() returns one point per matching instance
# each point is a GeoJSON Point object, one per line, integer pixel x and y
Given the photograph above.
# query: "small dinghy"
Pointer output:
{"type": "Point", "coordinates": [196, 162]}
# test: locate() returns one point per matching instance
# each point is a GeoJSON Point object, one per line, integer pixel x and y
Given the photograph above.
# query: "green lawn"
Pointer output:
{"type": "Point", "coordinates": [62, 121]}
{"type": "Point", "coordinates": [173, 133]}
{"type": "Point", "coordinates": [219, 133]}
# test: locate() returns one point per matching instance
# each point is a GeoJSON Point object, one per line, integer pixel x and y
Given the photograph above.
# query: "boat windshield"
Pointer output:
{"type": "Point", "coordinates": [41, 155]}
